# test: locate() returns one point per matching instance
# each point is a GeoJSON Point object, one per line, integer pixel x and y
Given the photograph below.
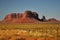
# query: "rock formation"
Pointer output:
{"type": "Point", "coordinates": [26, 17]}
{"type": "Point", "coordinates": [30, 14]}
{"type": "Point", "coordinates": [53, 20]}
{"type": "Point", "coordinates": [43, 19]}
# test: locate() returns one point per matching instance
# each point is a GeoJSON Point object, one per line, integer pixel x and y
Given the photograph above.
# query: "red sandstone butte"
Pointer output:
{"type": "Point", "coordinates": [26, 17]}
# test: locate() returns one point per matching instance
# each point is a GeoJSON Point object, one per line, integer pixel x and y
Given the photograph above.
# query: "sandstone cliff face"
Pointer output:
{"type": "Point", "coordinates": [26, 17]}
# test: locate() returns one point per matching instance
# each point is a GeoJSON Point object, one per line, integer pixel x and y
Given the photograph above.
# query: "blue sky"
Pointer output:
{"type": "Point", "coordinates": [49, 8]}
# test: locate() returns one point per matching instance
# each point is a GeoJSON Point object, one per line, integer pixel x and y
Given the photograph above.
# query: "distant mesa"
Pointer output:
{"type": "Point", "coordinates": [53, 20]}
{"type": "Point", "coordinates": [26, 17]}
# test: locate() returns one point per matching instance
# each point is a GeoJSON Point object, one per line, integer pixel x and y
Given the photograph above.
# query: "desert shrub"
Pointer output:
{"type": "Point", "coordinates": [2, 38]}
{"type": "Point", "coordinates": [20, 39]}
